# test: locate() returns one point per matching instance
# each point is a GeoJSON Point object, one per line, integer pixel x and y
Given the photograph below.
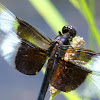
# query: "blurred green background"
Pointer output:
{"type": "Point", "coordinates": [49, 16]}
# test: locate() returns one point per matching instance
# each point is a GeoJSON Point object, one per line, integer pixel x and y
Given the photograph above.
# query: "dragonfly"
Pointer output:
{"type": "Point", "coordinates": [70, 68]}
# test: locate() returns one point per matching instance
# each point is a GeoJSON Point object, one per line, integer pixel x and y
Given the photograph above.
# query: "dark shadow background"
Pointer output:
{"type": "Point", "coordinates": [17, 86]}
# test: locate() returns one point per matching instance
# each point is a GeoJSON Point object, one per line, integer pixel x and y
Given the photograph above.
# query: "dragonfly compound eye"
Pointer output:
{"type": "Point", "coordinates": [70, 29]}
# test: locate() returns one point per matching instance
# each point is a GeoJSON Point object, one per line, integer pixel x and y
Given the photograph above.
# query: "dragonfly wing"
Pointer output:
{"type": "Point", "coordinates": [72, 79]}
{"type": "Point", "coordinates": [21, 45]}
{"type": "Point", "coordinates": [81, 57]}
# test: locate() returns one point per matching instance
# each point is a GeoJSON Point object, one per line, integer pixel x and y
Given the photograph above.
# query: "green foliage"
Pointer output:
{"type": "Point", "coordinates": [85, 10]}
{"type": "Point", "coordinates": [51, 16]}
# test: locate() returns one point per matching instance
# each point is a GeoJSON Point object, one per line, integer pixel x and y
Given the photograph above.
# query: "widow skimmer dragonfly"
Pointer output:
{"type": "Point", "coordinates": [69, 69]}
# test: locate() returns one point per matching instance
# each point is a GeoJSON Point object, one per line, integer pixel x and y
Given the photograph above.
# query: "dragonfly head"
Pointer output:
{"type": "Point", "coordinates": [69, 29]}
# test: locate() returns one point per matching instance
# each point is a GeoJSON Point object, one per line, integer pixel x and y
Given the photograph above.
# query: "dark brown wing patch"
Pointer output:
{"type": "Point", "coordinates": [67, 76]}
{"type": "Point", "coordinates": [30, 59]}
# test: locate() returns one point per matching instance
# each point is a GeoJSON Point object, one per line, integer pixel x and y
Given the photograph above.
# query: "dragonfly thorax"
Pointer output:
{"type": "Point", "coordinates": [68, 34]}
